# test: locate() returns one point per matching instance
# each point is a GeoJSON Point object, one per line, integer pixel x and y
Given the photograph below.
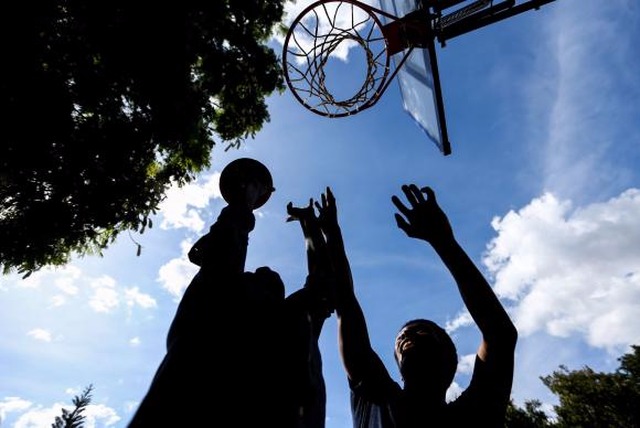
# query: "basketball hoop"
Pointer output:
{"type": "Point", "coordinates": [326, 27]}
{"type": "Point", "coordinates": [323, 27]}
{"type": "Point", "coordinates": [315, 35]}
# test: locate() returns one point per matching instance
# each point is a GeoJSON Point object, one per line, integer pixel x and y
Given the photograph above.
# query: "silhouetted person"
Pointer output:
{"type": "Point", "coordinates": [238, 352]}
{"type": "Point", "coordinates": [318, 291]}
{"type": "Point", "coordinates": [424, 352]}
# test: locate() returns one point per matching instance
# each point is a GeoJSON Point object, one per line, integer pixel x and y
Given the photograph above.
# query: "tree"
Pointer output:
{"type": "Point", "coordinates": [74, 418]}
{"type": "Point", "coordinates": [105, 104]}
{"type": "Point", "coordinates": [532, 416]}
{"type": "Point", "coordinates": [593, 399]}
{"type": "Point", "coordinates": [588, 399]}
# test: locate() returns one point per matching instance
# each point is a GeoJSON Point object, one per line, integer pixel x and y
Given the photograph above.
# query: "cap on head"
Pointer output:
{"type": "Point", "coordinates": [241, 172]}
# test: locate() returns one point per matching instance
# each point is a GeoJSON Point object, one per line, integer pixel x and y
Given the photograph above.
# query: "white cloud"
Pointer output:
{"type": "Point", "coordinates": [463, 319]}
{"type": "Point", "coordinates": [63, 278]}
{"type": "Point", "coordinates": [133, 297]}
{"type": "Point", "coordinates": [40, 334]}
{"type": "Point", "coordinates": [183, 205]}
{"type": "Point", "coordinates": [105, 295]}
{"type": "Point", "coordinates": [572, 271]}
{"type": "Point", "coordinates": [131, 406]}
{"type": "Point", "coordinates": [176, 274]}
{"type": "Point", "coordinates": [12, 404]}
{"type": "Point", "coordinates": [102, 293]}
{"type": "Point", "coordinates": [39, 417]}
{"type": "Point", "coordinates": [67, 279]}
{"type": "Point", "coordinates": [95, 415]}
{"type": "Point", "coordinates": [73, 391]}
{"type": "Point", "coordinates": [134, 341]}
{"type": "Point", "coordinates": [453, 391]}
{"type": "Point", "coordinates": [466, 363]}
{"type": "Point", "coordinates": [58, 300]}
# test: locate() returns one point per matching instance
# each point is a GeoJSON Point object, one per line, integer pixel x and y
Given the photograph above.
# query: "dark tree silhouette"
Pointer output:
{"type": "Point", "coordinates": [104, 104]}
{"type": "Point", "coordinates": [531, 416]}
{"type": "Point", "coordinates": [594, 399]}
{"type": "Point", "coordinates": [587, 398]}
{"type": "Point", "coordinates": [74, 418]}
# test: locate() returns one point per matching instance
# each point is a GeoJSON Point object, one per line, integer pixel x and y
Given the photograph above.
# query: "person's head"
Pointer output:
{"type": "Point", "coordinates": [426, 354]}
{"type": "Point", "coordinates": [265, 284]}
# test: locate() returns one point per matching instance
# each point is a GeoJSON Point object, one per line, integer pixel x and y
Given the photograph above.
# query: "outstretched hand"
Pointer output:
{"type": "Point", "coordinates": [327, 210]}
{"type": "Point", "coordinates": [424, 219]}
{"type": "Point", "coordinates": [301, 214]}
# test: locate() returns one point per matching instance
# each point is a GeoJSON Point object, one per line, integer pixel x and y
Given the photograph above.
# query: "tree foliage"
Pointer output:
{"type": "Point", "coordinates": [531, 416]}
{"type": "Point", "coordinates": [104, 104]}
{"type": "Point", "coordinates": [587, 399]}
{"type": "Point", "coordinates": [595, 399]}
{"type": "Point", "coordinates": [74, 418]}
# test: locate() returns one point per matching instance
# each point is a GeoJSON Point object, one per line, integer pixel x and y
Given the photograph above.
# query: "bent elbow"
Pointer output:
{"type": "Point", "coordinates": [504, 338]}
{"type": "Point", "coordinates": [510, 336]}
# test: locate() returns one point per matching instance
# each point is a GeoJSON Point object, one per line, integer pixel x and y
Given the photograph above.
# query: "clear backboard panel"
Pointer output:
{"type": "Point", "coordinates": [419, 82]}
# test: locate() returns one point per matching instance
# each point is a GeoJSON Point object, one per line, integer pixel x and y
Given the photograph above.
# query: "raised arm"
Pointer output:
{"type": "Point", "coordinates": [358, 357]}
{"type": "Point", "coordinates": [425, 220]}
{"type": "Point", "coordinates": [224, 248]}
{"type": "Point", "coordinates": [221, 255]}
{"type": "Point", "coordinates": [316, 296]}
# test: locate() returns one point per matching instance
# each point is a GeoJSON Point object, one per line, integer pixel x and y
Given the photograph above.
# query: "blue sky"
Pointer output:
{"type": "Point", "coordinates": [542, 189]}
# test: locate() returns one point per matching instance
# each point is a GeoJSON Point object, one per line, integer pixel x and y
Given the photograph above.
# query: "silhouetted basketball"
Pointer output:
{"type": "Point", "coordinates": [240, 172]}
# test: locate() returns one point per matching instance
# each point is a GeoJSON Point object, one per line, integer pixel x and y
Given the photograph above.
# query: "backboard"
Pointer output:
{"type": "Point", "coordinates": [419, 83]}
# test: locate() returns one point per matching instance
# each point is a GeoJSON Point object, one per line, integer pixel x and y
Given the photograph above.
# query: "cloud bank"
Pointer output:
{"type": "Point", "coordinates": [571, 271]}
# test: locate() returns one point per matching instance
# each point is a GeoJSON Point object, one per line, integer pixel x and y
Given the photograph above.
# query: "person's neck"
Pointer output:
{"type": "Point", "coordinates": [424, 394]}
